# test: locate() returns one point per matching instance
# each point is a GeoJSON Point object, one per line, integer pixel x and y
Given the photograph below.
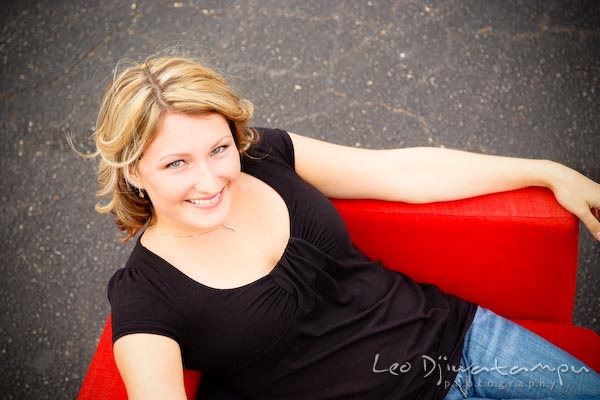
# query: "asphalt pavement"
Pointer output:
{"type": "Point", "coordinates": [508, 77]}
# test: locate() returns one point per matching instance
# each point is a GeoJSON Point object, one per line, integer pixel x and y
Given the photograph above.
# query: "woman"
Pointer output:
{"type": "Point", "coordinates": [244, 270]}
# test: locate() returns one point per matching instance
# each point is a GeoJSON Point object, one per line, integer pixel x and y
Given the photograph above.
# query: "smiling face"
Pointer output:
{"type": "Point", "coordinates": [189, 172]}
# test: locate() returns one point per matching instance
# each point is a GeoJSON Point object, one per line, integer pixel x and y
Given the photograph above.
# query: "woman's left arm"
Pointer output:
{"type": "Point", "coordinates": [427, 174]}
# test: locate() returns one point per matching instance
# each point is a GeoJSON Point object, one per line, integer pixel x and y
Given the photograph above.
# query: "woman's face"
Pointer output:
{"type": "Point", "coordinates": [189, 172]}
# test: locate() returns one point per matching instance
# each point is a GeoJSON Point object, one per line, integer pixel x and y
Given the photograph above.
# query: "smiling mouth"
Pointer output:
{"type": "Point", "coordinates": [206, 202]}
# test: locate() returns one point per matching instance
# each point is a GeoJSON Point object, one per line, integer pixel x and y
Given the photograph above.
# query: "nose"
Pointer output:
{"type": "Point", "coordinates": [206, 180]}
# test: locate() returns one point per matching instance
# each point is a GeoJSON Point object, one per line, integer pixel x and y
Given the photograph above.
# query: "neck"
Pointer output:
{"type": "Point", "coordinates": [183, 235]}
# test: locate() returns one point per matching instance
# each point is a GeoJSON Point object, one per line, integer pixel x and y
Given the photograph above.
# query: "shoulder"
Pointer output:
{"type": "Point", "coordinates": [145, 273]}
{"type": "Point", "coordinates": [134, 277]}
{"type": "Point", "coordinates": [274, 144]}
{"type": "Point", "coordinates": [143, 300]}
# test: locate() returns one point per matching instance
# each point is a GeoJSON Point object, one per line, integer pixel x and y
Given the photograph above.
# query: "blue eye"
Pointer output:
{"type": "Point", "coordinates": [175, 164]}
{"type": "Point", "coordinates": [220, 149]}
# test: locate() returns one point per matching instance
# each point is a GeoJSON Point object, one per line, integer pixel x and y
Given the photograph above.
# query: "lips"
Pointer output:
{"type": "Point", "coordinates": [207, 202]}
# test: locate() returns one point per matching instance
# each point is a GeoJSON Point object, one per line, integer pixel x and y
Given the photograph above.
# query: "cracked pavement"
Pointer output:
{"type": "Point", "coordinates": [507, 77]}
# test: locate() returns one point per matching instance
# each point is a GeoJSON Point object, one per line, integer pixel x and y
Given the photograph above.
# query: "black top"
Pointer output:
{"type": "Point", "coordinates": [326, 323]}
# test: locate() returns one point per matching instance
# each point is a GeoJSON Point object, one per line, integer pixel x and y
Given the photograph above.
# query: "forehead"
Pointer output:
{"type": "Point", "coordinates": [182, 131]}
{"type": "Point", "coordinates": [179, 124]}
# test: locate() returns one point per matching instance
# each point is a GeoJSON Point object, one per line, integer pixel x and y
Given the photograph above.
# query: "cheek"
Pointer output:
{"type": "Point", "coordinates": [232, 169]}
{"type": "Point", "coordinates": [170, 188]}
{"type": "Point", "coordinates": [234, 173]}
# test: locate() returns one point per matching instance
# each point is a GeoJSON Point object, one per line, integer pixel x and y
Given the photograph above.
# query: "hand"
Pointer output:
{"type": "Point", "coordinates": [578, 195]}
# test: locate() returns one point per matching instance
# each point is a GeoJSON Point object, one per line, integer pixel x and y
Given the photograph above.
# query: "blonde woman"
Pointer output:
{"type": "Point", "coordinates": [244, 270]}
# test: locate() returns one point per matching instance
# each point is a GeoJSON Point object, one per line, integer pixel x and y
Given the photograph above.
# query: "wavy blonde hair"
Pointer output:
{"type": "Point", "coordinates": [130, 113]}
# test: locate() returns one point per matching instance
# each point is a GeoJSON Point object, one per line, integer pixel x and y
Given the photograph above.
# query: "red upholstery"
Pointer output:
{"type": "Point", "coordinates": [513, 252]}
{"type": "Point", "coordinates": [103, 381]}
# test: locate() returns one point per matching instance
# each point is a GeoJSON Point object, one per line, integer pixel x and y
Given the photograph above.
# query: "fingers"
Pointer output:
{"type": "Point", "coordinates": [591, 220]}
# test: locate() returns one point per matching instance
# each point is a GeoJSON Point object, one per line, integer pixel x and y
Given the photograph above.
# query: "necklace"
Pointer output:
{"type": "Point", "coordinates": [226, 226]}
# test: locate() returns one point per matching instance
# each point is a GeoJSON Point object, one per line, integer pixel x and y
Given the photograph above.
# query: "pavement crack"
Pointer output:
{"type": "Point", "coordinates": [272, 72]}
{"type": "Point", "coordinates": [67, 71]}
{"type": "Point", "coordinates": [310, 117]}
{"type": "Point", "coordinates": [426, 130]}
{"type": "Point", "coordinates": [89, 53]}
{"type": "Point", "coordinates": [419, 119]}
{"type": "Point", "coordinates": [544, 29]}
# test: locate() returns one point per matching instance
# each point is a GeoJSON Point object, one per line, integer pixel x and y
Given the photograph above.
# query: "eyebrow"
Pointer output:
{"type": "Point", "coordinates": [187, 154]}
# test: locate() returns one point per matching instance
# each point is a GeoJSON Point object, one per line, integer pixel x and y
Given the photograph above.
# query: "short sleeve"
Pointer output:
{"type": "Point", "coordinates": [139, 306]}
{"type": "Point", "coordinates": [275, 144]}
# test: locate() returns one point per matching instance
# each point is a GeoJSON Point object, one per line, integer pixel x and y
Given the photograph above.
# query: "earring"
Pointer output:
{"type": "Point", "coordinates": [141, 193]}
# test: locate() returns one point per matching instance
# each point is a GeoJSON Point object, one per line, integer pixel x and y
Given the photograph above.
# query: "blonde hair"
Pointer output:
{"type": "Point", "coordinates": [130, 113]}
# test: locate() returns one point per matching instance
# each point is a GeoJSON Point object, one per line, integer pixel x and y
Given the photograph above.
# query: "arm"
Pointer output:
{"type": "Point", "coordinates": [422, 175]}
{"type": "Point", "coordinates": [150, 366]}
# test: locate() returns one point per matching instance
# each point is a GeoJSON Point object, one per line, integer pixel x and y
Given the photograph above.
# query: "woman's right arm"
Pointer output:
{"type": "Point", "coordinates": [151, 366]}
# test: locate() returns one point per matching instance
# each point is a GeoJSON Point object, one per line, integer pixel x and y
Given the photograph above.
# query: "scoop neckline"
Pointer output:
{"type": "Point", "coordinates": [170, 266]}
{"type": "Point", "coordinates": [256, 281]}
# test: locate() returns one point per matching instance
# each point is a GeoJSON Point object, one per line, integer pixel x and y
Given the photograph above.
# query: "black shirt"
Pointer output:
{"type": "Point", "coordinates": [326, 323]}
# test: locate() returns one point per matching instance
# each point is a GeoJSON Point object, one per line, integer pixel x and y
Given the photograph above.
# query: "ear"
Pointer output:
{"type": "Point", "coordinates": [132, 177]}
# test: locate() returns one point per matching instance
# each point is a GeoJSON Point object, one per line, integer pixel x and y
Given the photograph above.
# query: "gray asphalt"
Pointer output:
{"type": "Point", "coordinates": [504, 77]}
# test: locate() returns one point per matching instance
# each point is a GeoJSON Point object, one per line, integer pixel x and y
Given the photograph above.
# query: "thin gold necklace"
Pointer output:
{"type": "Point", "coordinates": [226, 226]}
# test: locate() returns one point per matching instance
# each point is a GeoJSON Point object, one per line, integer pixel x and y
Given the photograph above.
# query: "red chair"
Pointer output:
{"type": "Point", "coordinates": [513, 252]}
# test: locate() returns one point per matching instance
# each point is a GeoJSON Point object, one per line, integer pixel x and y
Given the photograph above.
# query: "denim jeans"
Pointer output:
{"type": "Point", "coordinates": [502, 360]}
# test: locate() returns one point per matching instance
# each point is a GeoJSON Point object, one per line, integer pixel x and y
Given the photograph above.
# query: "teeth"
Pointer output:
{"type": "Point", "coordinates": [206, 202]}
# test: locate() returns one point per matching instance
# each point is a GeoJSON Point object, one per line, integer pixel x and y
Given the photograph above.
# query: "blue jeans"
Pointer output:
{"type": "Point", "coordinates": [502, 360]}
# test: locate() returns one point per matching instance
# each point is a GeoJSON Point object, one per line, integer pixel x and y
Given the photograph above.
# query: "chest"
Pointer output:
{"type": "Point", "coordinates": [282, 220]}
{"type": "Point", "coordinates": [271, 205]}
{"type": "Point", "coordinates": [258, 233]}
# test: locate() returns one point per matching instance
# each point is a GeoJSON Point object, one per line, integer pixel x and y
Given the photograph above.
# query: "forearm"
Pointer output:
{"type": "Point", "coordinates": [434, 174]}
{"type": "Point", "coordinates": [424, 175]}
